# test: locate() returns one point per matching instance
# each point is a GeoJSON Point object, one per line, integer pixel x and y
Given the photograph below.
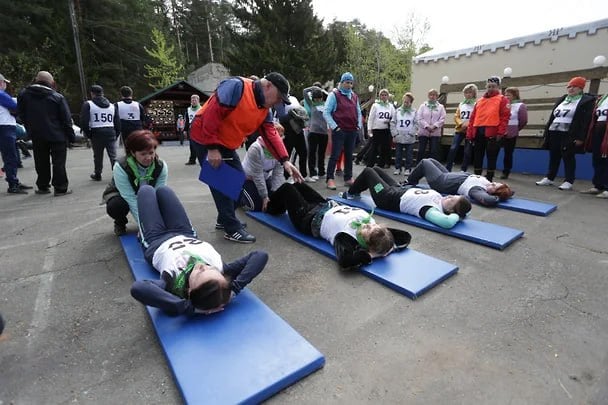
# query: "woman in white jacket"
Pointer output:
{"type": "Point", "coordinates": [380, 126]}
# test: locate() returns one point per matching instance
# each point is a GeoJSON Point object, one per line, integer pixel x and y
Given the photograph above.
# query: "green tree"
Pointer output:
{"type": "Point", "coordinates": [167, 69]}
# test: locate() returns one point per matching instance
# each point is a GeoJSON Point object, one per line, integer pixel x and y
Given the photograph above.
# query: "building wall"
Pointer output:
{"type": "Point", "coordinates": [559, 50]}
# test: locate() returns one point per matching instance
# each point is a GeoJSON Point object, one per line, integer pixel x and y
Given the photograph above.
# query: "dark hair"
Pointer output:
{"type": "Point", "coordinates": [462, 206]}
{"type": "Point", "coordinates": [380, 240]}
{"type": "Point", "coordinates": [139, 140]}
{"type": "Point", "coordinates": [126, 91]}
{"type": "Point", "coordinates": [514, 91]}
{"type": "Point", "coordinates": [209, 295]}
{"type": "Point", "coordinates": [316, 93]}
{"type": "Point", "coordinates": [503, 192]}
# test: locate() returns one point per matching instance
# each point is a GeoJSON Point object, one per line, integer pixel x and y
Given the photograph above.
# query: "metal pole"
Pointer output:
{"type": "Point", "coordinates": [83, 87]}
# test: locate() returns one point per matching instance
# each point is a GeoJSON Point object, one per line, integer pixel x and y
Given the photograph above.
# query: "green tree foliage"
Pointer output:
{"type": "Point", "coordinates": [284, 36]}
{"type": "Point", "coordinates": [167, 69]}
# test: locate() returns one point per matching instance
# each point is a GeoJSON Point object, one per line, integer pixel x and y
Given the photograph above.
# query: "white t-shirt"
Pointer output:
{"type": "Point", "coordinates": [415, 198]}
{"type": "Point", "coordinates": [338, 219]}
{"type": "Point", "coordinates": [173, 254]}
{"type": "Point", "coordinates": [472, 181]}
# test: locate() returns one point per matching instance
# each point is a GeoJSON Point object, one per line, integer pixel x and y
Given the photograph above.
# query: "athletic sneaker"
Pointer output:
{"type": "Point", "coordinates": [95, 176]}
{"type": "Point", "coordinates": [592, 190]}
{"type": "Point", "coordinates": [219, 226]}
{"type": "Point", "coordinates": [406, 172]}
{"type": "Point", "coordinates": [603, 194]}
{"type": "Point", "coordinates": [566, 185]}
{"type": "Point", "coordinates": [544, 182]}
{"type": "Point", "coordinates": [240, 236]}
{"type": "Point", "coordinates": [331, 184]}
{"type": "Point", "coordinates": [398, 172]}
{"type": "Point", "coordinates": [315, 178]}
{"type": "Point", "coordinates": [291, 180]}
{"type": "Point", "coordinates": [310, 180]}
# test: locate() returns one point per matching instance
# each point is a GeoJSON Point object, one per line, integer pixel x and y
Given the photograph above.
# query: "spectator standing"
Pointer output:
{"type": "Point", "coordinates": [597, 143]}
{"type": "Point", "coordinates": [517, 121]}
{"type": "Point", "coordinates": [100, 123]}
{"type": "Point", "coordinates": [8, 140]}
{"type": "Point", "coordinates": [343, 115]}
{"type": "Point", "coordinates": [487, 126]}
{"type": "Point", "coordinates": [461, 120]}
{"type": "Point", "coordinates": [405, 119]}
{"type": "Point", "coordinates": [566, 130]}
{"type": "Point", "coordinates": [380, 126]}
{"type": "Point", "coordinates": [195, 105]}
{"type": "Point", "coordinates": [317, 135]}
{"type": "Point", "coordinates": [430, 118]}
{"type": "Point", "coordinates": [130, 112]}
{"type": "Point", "coordinates": [47, 119]}
{"type": "Point", "coordinates": [180, 126]}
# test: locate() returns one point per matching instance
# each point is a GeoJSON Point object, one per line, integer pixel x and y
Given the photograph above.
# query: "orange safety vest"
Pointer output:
{"type": "Point", "coordinates": [488, 111]}
{"type": "Point", "coordinates": [245, 119]}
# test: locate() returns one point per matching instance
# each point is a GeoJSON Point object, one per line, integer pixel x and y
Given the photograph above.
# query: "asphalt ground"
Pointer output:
{"type": "Point", "coordinates": [527, 325]}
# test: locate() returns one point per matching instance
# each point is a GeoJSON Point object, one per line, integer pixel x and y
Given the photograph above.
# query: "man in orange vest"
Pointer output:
{"type": "Point", "coordinates": [239, 107]}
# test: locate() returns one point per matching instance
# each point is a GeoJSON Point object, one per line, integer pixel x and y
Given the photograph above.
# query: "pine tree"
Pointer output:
{"type": "Point", "coordinates": [167, 70]}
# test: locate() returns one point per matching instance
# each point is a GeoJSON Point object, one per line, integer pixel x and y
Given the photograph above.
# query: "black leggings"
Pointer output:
{"type": "Point", "coordinates": [300, 201]}
{"type": "Point", "coordinates": [485, 146]}
{"type": "Point", "coordinates": [117, 208]}
{"type": "Point", "coordinates": [381, 146]}
{"type": "Point", "coordinates": [385, 191]}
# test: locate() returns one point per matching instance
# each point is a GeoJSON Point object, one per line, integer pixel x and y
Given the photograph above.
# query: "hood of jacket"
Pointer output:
{"type": "Point", "coordinates": [39, 90]}
{"type": "Point", "coordinates": [101, 101]}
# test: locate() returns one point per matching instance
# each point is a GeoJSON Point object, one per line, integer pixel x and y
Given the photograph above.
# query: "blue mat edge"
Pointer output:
{"type": "Point", "coordinates": [410, 294]}
{"type": "Point", "coordinates": [434, 228]}
{"type": "Point", "coordinates": [271, 390]}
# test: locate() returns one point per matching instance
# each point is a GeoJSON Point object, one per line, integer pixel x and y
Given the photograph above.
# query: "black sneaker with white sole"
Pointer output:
{"type": "Point", "coordinates": [240, 236]}
{"type": "Point", "coordinates": [220, 227]}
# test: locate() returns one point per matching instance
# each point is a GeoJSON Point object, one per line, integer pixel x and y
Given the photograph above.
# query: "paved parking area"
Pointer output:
{"type": "Point", "coordinates": [527, 325]}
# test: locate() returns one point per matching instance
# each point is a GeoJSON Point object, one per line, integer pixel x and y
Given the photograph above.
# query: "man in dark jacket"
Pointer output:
{"type": "Point", "coordinates": [46, 116]}
{"type": "Point", "coordinates": [100, 123]}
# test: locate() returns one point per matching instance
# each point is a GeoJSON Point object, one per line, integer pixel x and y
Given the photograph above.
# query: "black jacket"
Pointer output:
{"type": "Point", "coordinates": [100, 133]}
{"type": "Point", "coordinates": [580, 122]}
{"type": "Point", "coordinates": [45, 114]}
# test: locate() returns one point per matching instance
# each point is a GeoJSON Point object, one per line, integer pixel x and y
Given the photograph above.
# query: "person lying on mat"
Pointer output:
{"type": "Point", "coordinates": [354, 234]}
{"type": "Point", "coordinates": [193, 277]}
{"type": "Point", "coordinates": [428, 204]}
{"type": "Point", "coordinates": [474, 186]}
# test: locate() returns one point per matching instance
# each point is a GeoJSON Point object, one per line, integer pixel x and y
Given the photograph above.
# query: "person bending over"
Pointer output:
{"type": "Point", "coordinates": [474, 186]}
{"type": "Point", "coordinates": [428, 204]}
{"type": "Point", "coordinates": [194, 279]}
{"type": "Point", "coordinates": [354, 234]}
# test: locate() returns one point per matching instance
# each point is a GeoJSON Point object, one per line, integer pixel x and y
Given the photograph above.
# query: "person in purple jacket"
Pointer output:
{"type": "Point", "coordinates": [518, 120]}
{"type": "Point", "coordinates": [194, 279]}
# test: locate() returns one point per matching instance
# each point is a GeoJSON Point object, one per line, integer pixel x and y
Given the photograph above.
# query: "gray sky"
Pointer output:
{"type": "Point", "coordinates": [462, 24]}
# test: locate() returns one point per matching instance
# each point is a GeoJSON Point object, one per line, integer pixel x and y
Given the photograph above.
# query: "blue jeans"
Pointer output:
{"type": "Point", "coordinates": [342, 139]}
{"type": "Point", "coordinates": [226, 207]}
{"type": "Point", "coordinates": [8, 150]}
{"type": "Point", "coordinates": [161, 217]}
{"type": "Point", "coordinates": [400, 148]}
{"type": "Point", "coordinates": [423, 141]}
{"type": "Point", "coordinates": [458, 137]}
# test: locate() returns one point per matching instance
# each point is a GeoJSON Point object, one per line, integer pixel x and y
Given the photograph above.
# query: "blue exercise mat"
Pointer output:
{"type": "Point", "coordinates": [520, 205]}
{"type": "Point", "coordinates": [244, 354]}
{"type": "Point", "coordinates": [408, 272]}
{"type": "Point", "coordinates": [484, 233]}
{"type": "Point", "coordinates": [528, 206]}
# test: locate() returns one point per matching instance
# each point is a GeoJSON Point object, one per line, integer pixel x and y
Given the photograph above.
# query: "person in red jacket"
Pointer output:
{"type": "Point", "coordinates": [239, 107]}
{"type": "Point", "coordinates": [487, 126]}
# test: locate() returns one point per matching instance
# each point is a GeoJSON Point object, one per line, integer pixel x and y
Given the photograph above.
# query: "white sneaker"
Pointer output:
{"type": "Point", "coordinates": [315, 178]}
{"type": "Point", "coordinates": [406, 172]}
{"type": "Point", "coordinates": [397, 171]}
{"type": "Point", "coordinates": [309, 180]}
{"type": "Point", "coordinates": [544, 182]}
{"type": "Point", "coordinates": [603, 194]}
{"type": "Point", "coordinates": [592, 190]}
{"type": "Point", "coordinates": [565, 186]}
{"type": "Point", "coordinates": [290, 180]}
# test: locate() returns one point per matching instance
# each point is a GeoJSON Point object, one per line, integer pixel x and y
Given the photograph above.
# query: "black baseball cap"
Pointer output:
{"type": "Point", "coordinates": [281, 84]}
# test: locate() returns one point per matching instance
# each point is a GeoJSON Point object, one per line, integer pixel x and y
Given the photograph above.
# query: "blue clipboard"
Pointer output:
{"type": "Point", "coordinates": [225, 179]}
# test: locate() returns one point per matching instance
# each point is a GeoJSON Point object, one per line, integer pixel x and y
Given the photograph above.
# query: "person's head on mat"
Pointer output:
{"type": "Point", "coordinates": [141, 146]}
{"type": "Point", "coordinates": [208, 288]}
{"type": "Point", "coordinates": [500, 190]}
{"type": "Point", "coordinates": [377, 239]}
{"type": "Point", "coordinates": [457, 204]}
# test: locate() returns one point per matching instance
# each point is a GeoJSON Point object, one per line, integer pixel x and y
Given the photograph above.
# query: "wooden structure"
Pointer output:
{"type": "Point", "coordinates": [163, 106]}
